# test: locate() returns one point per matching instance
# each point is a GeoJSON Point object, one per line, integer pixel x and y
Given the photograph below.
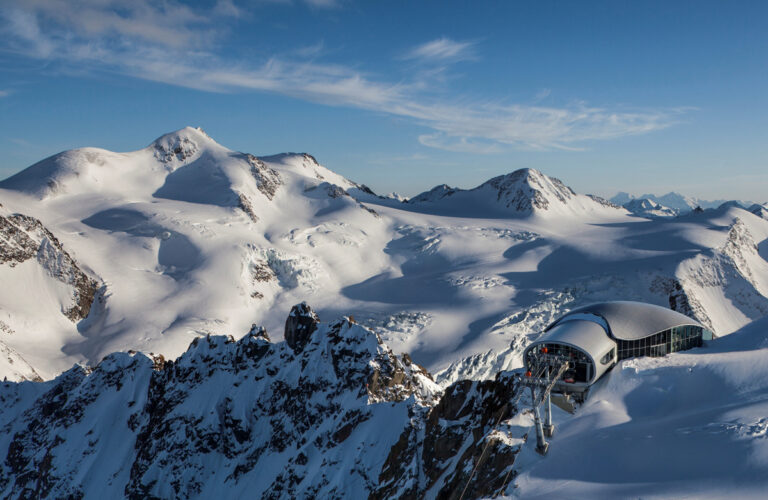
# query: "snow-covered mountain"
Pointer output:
{"type": "Point", "coordinates": [122, 262]}
{"type": "Point", "coordinates": [672, 201]}
{"type": "Point", "coordinates": [44, 292]}
{"type": "Point", "coordinates": [648, 208]}
{"type": "Point", "coordinates": [169, 234]}
{"type": "Point", "coordinates": [186, 238]}
{"type": "Point", "coordinates": [523, 192]}
{"type": "Point", "coordinates": [759, 210]}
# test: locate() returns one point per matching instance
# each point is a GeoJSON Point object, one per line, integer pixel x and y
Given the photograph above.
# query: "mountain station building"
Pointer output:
{"type": "Point", "coordinates": [596, 337]}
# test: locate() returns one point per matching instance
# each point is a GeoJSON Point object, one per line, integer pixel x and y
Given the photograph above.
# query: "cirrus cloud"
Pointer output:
{"type": "Point", "coordinates": [176, 44]}
{"type": "Point", "coordinates": [442, 49]}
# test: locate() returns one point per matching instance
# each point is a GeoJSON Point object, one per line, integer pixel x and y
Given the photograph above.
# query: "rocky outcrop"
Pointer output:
{"type": "Point", "coordinates": [328, 189]}
{"type": "Point", "coordinates": [739, 246]}
{"type": "Point", "coordinates": [434, 194]}
{"type": "Point", "coordinates": [246, 206]}
{"type": "Point", "coordinates": [459, 447]}
{"type": "Point", "coordinates": [526, 189]}
{"type": "Point", "coordinates": [681, 300]}
{"type": "Point", "coordinates": [23, 238]}
{"type": "Point", "coordinates": [602, 201]}
{"type": "Point", "coordinates": [268, 180]}
{"type": "Point", "coordinates": [341, 418]}
{"type": "Point", "coordinates": [301, 323]}
{"type": "Point", "coordinates": [179, 146]}
{"type": "Point", "coordinates": [16, 246]}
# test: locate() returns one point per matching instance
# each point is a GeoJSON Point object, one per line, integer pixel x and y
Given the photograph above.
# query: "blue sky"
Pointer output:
{"type": "Point", "coordinates": [636, 96]}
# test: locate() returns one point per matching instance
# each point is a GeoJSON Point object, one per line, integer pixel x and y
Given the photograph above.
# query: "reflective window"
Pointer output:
{"type": "Point", "coordinates": [580, 368]}
{"type": "Point", "coordinates": [675, 339]}
{"type": "Point", "coordinates": [608, 357]}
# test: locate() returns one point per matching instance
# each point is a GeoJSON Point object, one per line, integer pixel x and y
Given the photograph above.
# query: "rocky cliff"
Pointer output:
{"type": "Point", "coordinates": [334, 415]}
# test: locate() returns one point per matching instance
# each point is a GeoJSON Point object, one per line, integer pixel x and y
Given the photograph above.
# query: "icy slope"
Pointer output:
{"type": "Point", "coordinates": [689, 425]}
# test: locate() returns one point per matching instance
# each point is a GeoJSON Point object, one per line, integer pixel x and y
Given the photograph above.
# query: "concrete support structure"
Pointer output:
{"type": "Point", "coordinates": [541, 444]}
{"type": "Point", "coordinates": [549, 427]}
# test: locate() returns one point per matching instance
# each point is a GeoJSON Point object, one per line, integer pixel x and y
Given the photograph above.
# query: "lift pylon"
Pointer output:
{"type": "Point", "coordinates": [549, 369]}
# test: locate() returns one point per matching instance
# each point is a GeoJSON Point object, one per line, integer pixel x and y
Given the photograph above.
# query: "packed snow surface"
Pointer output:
{"type": "Point", "coordinates": [690, 425]}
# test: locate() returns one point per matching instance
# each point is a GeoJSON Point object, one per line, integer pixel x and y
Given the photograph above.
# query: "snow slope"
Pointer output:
{"type": "Point", "coordinates": [689, 425]}
{"type": "Point", "coordinates": [187, 238]}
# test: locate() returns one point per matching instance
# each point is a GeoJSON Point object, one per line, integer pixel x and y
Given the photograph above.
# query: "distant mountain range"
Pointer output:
{"type": "Point", "coordinates": [670, 204]}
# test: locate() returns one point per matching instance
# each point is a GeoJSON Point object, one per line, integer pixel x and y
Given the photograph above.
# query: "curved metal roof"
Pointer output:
{"type": "Point", "coordinates": [584, 334]}
{"type": "Point", "coordinates": [633, 320]}
{"type": "Point", "coordinates": [588, 336]}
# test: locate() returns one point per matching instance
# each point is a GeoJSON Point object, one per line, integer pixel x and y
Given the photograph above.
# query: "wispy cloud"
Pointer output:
{"type": "Point", "coordinates": [227, 8]}
{"type": "Point", "coordinates": [442, 49]}
{"type": "Point", "coordinates": [541, 95]}
{"type": "Point", "coordinates": [175, 44]}
{"type": "Point", "coordinates": [309, 51]}
{"type": "Point", "coordinates": [20, 142]}
{"type": "Point", "coordinates": [5, 93]}
{"type": "Point", "coordinates": [323, 4]}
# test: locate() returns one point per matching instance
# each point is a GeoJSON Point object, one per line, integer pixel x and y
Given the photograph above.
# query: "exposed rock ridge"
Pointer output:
{"type": "Point", "coordinates": [23, 237]}
{"type": "Point", "coordinates": [343, 417]}
{"type": "Point", "coordinates": [268, 180]}
{"type": "Point", "coordinates": [435, 456]}
{"type": "Point", "coordinates": [738, 246]}
{"type": "Point", "coordinates": [179, 146]}
{"type": "Point", "coordinates": [526, 189]}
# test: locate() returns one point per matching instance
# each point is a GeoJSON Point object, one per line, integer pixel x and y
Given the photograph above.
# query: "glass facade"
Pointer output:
{"type": "Point", "coordinates": [581, 368]}
{"type": "Point", "coordinates": [676, 339]}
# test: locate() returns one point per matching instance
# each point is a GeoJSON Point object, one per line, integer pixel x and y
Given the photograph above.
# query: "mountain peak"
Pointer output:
{"type": "Point", "coordinates": [646, 207]}
{"type": "Point", "coordinates": [527, 190]}
{"type": "Point", "coordinates": [181, 144]}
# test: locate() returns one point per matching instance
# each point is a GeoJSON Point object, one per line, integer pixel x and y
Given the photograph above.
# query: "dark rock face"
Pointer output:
{"type": "Point", "coordinates": [268, 180]}
{"type": "Point", "coordinates": [434, 194]}
{"type": "Point", "coordinates": [342, 418]}
{"type": "Point", "coordinates": [301, 323]}
{"type": "Point", "coordinates": [436, 449]}
{"type": "Point", "coordinates": [15, 245]}
{"type": "Point", "coordinates": [526, 190]}
{"type": "Point", "coordinates": [246, 206]}
{"type": "Point", "coordinates": [23, 238]}
{"type": "Point", "coordinates": [680, 300]}
{"type": "Point", "coordinates": [603, 201]}
{"type": "Point", "coordinates": [175, 146]}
